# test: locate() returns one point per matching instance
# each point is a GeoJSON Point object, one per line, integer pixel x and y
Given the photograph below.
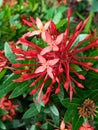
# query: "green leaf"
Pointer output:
{"type": "Point", "coordinates": [94, 7]}
{"type": "Point", "coordinates": [2, 73]}
{"type": "Point", "coordinates": [8, 85]}
{"type": "Point", "coordinates": [55, 114]}
{"type": "Point", "coordinates": [34, 127]}
{"type": "Point", "coordinates": [61, 23]}
{"type": "Point", "coordinates": [2, 125]}
{"type": "Point", "coordinates": [32, 111]}
{"type": "Point", "coordinates": [56, 119]}
{"type": "Point", "coordinates": [1, 2]}
{"type": "Point", "coordinates": [61, 93]}
{"type": "Point", "coordinates": [2, 112]}
{"type": "Point", "coordinates": [9, 54]}
{"type": "Point", "coordinates": [71, 114]}
{"type": "Point", "coordinates": [19, 90]}
{"type": "Point", "coordinates": [75, 102]}
{"type": "Point", "coordinates": [57, 17]}
{"type": "Point", "coordinates": [79, 38]}
{"type": "Point", "coordinates": [54, 110]}
{"type": "Point", "coordinates": [46, 126]}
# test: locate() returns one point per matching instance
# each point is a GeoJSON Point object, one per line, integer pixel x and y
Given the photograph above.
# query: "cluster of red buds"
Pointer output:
{"type": "Point", "coordinates": [8, 106]}
{"type": "Point", "coordinates": [52, 64]}
{"type": "Point", "coordinates": [86, 126]}
{"type": "Point", "coordinates": [3, 61]}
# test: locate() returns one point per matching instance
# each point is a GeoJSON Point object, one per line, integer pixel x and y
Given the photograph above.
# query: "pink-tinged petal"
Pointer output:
{"type": "Point", "coordinates": [49, 72]}
{"type": "Point", "coordinates": [53, 62]}
{"type": "Point", "coordinates": [40, 69]}
{"type": "Point", "coordinates": [55, 48]}
{"type": "Point", "coordinates": [46, 50]}
{"type": "Point", "coordinates": [48, 38]}
{"type": "Point", "coordinates": [41, 59]}
{"type": "Point", "coordinates": [39, 23]}
{"type": "Point", "coordinates": [30, 34]}
{"type": "Point", "coordinates": [59, 39]}
{"type": "Point", "coordinates": [43, 36]}
{"type": "Point", "coordinates": [47, 25]}
{"type": "Point", "coordinates": [40, 93]}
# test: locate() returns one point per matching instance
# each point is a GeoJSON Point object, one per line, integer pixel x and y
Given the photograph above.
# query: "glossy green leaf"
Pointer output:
{"type": "Point", "coordinates": [57, 17]}
{"type": "Point", "coordinates": [9, 54]}
{"type": "Point", "coordinates": [54, 110]}
{"type": "Point", "coordinates": [2, 73]}
{"type": "Point", "coordinates": [19, 90]}
{"type": "Point", "coordinates": [2, 125]}
{"type": "Point", "coordinates": [46, 126]}
{"type": "Point", "coordinates": [34, 127]}
{"type": "Point", "coordinates": [32, 111]}
{"type": "Point", "coordinates": [67, 103]}
{"type": "Point", "coordinates": [8, 85]}
{"type": "Point", "coordinates": [94, 7]}
{"type": "Point", "coordinates": [1, 2]}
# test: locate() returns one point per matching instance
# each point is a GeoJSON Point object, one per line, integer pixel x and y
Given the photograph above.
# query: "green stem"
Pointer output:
{"type": "Point", "coordinates": [80, 16]}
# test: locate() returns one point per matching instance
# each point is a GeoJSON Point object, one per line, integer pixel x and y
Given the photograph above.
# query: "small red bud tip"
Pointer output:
{"type": "Point", "coordinates": [86, 21]}
{"type": "Point", "coordinates": [79, 25]}
{"type": "Point", "coordinates": [96, 70]}
{"type": "Point", "coordinates": [80, 85]}
{"type": "Point", "coordinates": [57, 90]}
{"type": "Point", "coordinates": [69, 12]}
{"type": "Point", "coordinates": [32, 19]}
{"type": "Point", "coordinates": [89, 64]}
{"type": "Point", "coordinates": [66, 85]}
{"type": "Point", "coordinates": [81, 77]}
{"type": "Point", "coordinates": [96, 57]}
{"type": "Point", "coordinates": [33, 91]}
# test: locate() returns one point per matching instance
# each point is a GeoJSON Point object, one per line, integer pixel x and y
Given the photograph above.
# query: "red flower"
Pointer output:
{"type": "Point", "coordinates": [54, 63]}
{"type": "Point", "coordinates": [40, 29]}
{"type": "Point", "coordinates": [7, 105]}
{"type": "Point", "coordinates": [3, 61]}
{"type": "Point", "coordinates": [86, 126]}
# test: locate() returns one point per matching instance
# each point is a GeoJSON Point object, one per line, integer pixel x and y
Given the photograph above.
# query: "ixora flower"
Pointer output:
{"type": "Point", "coordinates": [53, 64]}
{"type": "Point", "coordinates": [7, 105]}
{"type": "Point", "coordinates": [3, 61]}
{"type": "Point", "coordinates": [86, 126]}
{"type": "Point", "coordinates": [39, 29]}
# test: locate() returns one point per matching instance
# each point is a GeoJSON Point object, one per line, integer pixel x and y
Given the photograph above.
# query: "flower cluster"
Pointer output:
{"type": "Point", "coordinates": [53, 64]}
{"type": "Point", "coordinates": [3, 61]}
{"type": "Point", "coordinates": [8, 106]}
{"type": "Point", "coordinates": [86, 126]}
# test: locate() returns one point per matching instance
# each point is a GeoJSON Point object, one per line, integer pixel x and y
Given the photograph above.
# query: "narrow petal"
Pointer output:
{"type": "Point", "coordinates": [30, 34]}
{"type": "Point", "coordinates": [39, 23]}
{"type": "Point", "coordinates": [55, 48]}
{"type": "Point", "coordinates": [48, 38]}
{"type": "Point", "coordinates": [43, 36]}
{"type": "Point", "coordinates": [40, 69]}
{"type": "Point", "coordinates": [47, 25]}
{"type": "Point", "coordinates": [53, 62]}
{"type": "Point", "coordinates": [41, 59]}
{"type": "Point", "coordinates": [59, 39]}
{"type": "Point", "coordinates": [49, 71]}
{"type": "Point", "coordinates": [45, 50]}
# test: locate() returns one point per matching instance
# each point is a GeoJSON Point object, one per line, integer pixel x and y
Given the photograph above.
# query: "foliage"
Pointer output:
{"type": "Point", "coordinates": [20, 49]}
